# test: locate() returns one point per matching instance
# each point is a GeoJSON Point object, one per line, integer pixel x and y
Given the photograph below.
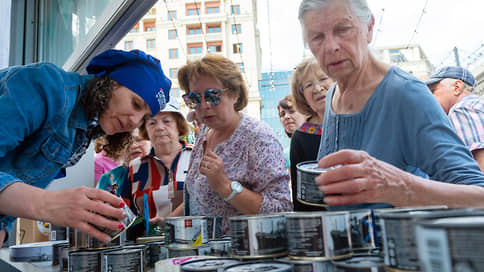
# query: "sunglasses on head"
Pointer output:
{"type": "Point", "coordinates": [212, 97]}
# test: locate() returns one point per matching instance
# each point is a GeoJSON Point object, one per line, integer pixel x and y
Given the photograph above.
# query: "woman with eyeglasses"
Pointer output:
{"type": "Point", "coordinates": [309, 87]}
{"type": "Point", "coordinates": [237, 165]}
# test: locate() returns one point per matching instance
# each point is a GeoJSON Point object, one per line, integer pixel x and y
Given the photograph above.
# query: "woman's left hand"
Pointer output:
{"type": "Point", "coordinates": [157, 220]}
{"type": "Point", "coordinates": [212, 166]}
{"type": "Point", "coordinates": [363, 179]}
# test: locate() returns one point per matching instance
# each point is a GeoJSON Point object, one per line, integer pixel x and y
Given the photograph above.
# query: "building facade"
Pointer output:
{"type": "Point", "coordinates": [410, 58]}
{"type": "Point", "coordinates": [273, 87]}
{"type": "Point", "coordinates": [178, 31]}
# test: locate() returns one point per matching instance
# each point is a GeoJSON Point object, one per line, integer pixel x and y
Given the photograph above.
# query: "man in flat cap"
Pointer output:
{"type": "Point", "coordinates": [453, 87]}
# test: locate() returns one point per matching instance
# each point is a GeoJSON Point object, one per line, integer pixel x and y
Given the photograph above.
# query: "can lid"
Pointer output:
{"type": "Point", "coordinates": [360, 262]}
{"type": "Point", "coordinates": [456, 222]}
{"type": "Point", "coordinates": [270, 266]}
{"type": "Point", "coordinates": [205, 264]}
{"type": "Point", "coordinates": [256, 216]}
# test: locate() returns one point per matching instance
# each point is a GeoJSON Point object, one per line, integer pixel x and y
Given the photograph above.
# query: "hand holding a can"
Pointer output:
{"type": "Point", "coordinates": [85, 209]}
{"type": "Point", "coordinates": [363, 179]}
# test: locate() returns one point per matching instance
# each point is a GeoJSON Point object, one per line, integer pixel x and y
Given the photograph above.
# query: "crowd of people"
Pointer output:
{"type": "Point", "coordinates": [398, 141]}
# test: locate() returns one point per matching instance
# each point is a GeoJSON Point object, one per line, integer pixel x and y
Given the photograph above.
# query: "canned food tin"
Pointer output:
{"type": "Point", "coordinates": [148, 239]}
{"type": "Point", "coordinates": [377, 213]}
{"type": "Point", "coordinates": [258, 236]}
{"type": "Point", "coordinates": [146, 252]}
{"type": "Point", "coordinates": [360, 264]}
{"type": "Point", "coordinates": [220, 248]}
{"type": "Point", "coordinates": [173, 264]}
{"type": "Point", "coordinates": [57, 233]}
{"type": "Point", "coordinates": [186, 231]}
{"type": "Point", "coordinates": [158, 251]}
{"type": "Point", "coordinates": [127, 222]}
{"type": "Point", "coordinates": [123, 260]}
{"type": "Point", "coordinates": [80, 240]}
{"type": "Point", "coordinates": [214, 227]}
{"type": "Point", "coordinates": [308, 265]}
{"type": "Point", "coordinates": [56, 251]}
{"type": "Point", "coordinates": [270, 266]}
{"type": "Point", "coordinates": [318, 235]}
{"type": "Point", "coordinates": [451, 244]}
{"type": "Point", "coordinates": [175, 252]}
{"type": "Point", "coordinates": [32, 252]}
{"type": "Point", "coordinates": [307, 190]}
{"type": "Point", "coordinates": [64, 258]}
{"type": "Point", "coordinates": [84, 261]}
{"type": "Point", "coordinates": [208, 265]}
{"type": "Point", "coordinates": [362, 230]}
{"type": "Point", "coordinates": [399, 242]}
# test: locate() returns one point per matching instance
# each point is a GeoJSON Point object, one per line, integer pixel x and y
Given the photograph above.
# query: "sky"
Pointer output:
{"type": "Point", "coordinates": [437, 25]}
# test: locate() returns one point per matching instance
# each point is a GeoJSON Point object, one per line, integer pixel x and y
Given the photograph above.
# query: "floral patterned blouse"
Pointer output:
{"type": "Point", "coordinates": [254, 157]}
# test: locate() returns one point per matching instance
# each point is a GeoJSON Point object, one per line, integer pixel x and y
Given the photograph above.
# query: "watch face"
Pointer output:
{"type": "Point", "coordinates": [236, 186]}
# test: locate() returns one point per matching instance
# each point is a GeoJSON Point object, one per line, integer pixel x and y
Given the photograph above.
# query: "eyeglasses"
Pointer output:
{"type": "Point", "coordinates": [212, 97]}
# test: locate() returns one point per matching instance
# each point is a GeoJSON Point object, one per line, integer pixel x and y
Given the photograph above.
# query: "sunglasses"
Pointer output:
{"type": "Point", "coordinates": [212, 97]}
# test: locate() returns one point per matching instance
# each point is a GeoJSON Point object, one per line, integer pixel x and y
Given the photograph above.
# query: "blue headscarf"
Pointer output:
{"type": "Point", "coordinates": [137, 71]}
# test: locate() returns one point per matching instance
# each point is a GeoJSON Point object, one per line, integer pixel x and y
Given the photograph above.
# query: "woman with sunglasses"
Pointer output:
{"type": "Point", "coordinates": [52, 117]}
{"type": "Point", "coordinates": [309, 87]}
{"type": "Point", "coordinates": [238, 165]}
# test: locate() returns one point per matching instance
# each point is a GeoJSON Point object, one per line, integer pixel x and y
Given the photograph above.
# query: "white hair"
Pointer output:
{"type": "Point", "coordinates": [359, 7]}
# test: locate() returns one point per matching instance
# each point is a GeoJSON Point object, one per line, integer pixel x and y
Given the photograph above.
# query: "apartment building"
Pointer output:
{"type": "Point", "coordinates": [176, 31]}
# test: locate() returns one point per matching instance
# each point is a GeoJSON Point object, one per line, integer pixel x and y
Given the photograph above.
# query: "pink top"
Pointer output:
{"type": "Point", "coordinates": [102, 164]}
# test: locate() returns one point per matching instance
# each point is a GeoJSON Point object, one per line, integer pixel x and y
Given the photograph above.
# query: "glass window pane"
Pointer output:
{"type": "Point", "coordinates": [63, 25]}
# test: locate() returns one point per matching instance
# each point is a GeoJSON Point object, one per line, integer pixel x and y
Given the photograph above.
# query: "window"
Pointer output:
{"type": "Point", "coordinates": [214, 47]}
{"type": "Point", "coordinates": [135, 29]}
{"type": "Point", "coordinates": [149, 26]}
{"type": "Point", "coordinates": [237, 47]}
{"type": "Point", "coordinates": [173, 53]}
{"type": "Point", "coordinates": [194, 30]}
{"type": "Point", "coordinates": [128, 45]}
{"type": "Point", "coordinates": [150, 44]}
{"type": "Point", "coordinates": [212, 7]}
{"type": "Point", "coordinates": [173, 72]}
{"type": "Point", "coordinates": [171, 15]}
{"type": "Point", "coordinates": [213, 29]}
{"type": "Point", "coordinates": [172, 34]}
{"type": "Point", "coordinates": [195, 48]}
{"type": "Point", "coordinates": [192, 9]}
{"type": "Point", "coordinates": [236, 29]}
{"type": "Point", "coordinates": [235, 9]}
{"type": "Point", "coordinates": [240, 66]}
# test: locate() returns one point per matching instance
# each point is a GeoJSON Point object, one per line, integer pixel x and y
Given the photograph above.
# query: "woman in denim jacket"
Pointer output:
{"type": "Point", "coordinates": [49, 118]}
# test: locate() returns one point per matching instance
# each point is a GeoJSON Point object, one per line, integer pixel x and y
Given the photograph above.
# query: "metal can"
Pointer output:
{"type": "Point", "coordinates": [32, 252]}
{"type": "Point", "coordinates": [220, 248]}
{"type": "Point", "coordinates": [308, 265]}
{"type": "Point", "coordinates": [175, 252]}
{"type": "Point", "coordinates": [307, 190]}
{"type": "Point", "coordinates": [123, 260]}
{"type": "Point", "coordinates": [214, 227]}
{"type": "Point", "coordinates": [57, 233]}
{"type": "Point", "coordinates": [377, 213]}
{"type": "Point", "coordinates": [158, 251]}
{"type": "Point", "coordinates": [258, 236]}
{"type": "Point", "coordinates": [318, 235]}
{"type": "Point", "coordinates": [56, 251]}
{"type": "Point", "coordinates": [186, 231]}
{"type": "Point", "coordinates": [208, 265]}
{"type": "Point", "coordinates": [127, 222]}
{"type": "Point", "coordinates": [269, 266]}
{"type": "Point", "coordinates": [361, 264]}
{"type": "Point", "coordinates": [399, 242]}
{"type": "Point", "coordinates": [362, 229]}
{"type": "Point", "coordinates": [84, 261]}
{"type": "Point", "coordinates": [80, 240]}
{"type": "Point", "coordinates": [451, 244]}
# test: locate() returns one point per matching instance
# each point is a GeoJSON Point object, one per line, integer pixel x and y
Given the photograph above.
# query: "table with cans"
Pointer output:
{"type": "Point", "coordinates": [397, 239]}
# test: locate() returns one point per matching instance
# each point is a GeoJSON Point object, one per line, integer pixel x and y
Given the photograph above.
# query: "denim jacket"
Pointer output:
{"type": "Point", "coordinates": [42, 125]}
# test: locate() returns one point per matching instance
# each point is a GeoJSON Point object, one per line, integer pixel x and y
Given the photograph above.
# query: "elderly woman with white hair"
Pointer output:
{"type": "Point", "coordinates": [381, 124]}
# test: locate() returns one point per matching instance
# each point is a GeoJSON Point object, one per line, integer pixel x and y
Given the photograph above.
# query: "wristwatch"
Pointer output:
{"type": "Point", "coordinates": [236, 189]}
